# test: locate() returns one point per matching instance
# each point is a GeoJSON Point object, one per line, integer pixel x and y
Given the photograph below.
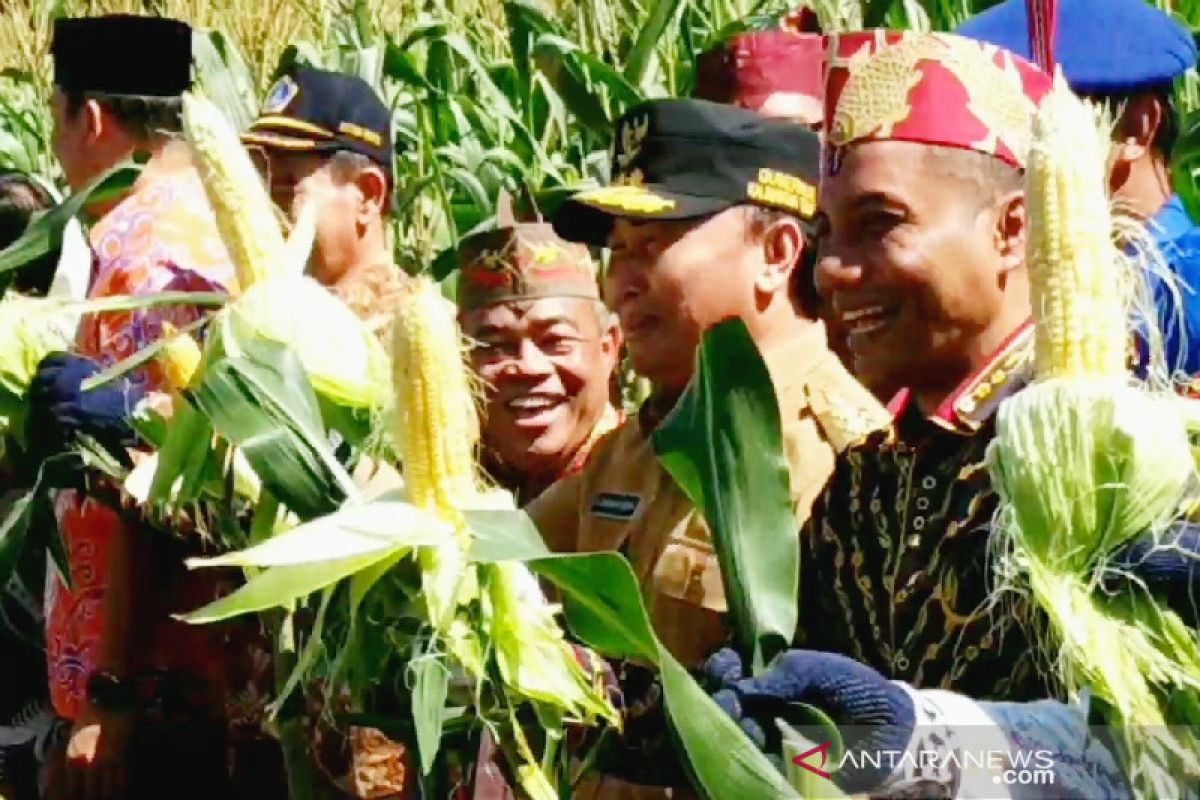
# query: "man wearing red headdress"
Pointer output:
{"type": "Point", "coordinates": [922, 227]}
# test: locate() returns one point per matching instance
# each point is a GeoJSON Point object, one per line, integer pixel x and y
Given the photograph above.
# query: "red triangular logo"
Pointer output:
{"type": "Point", "coordinates": [800, 761]}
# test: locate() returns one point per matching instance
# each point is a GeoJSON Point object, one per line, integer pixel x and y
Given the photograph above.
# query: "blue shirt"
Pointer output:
{"type": "Point", "coordinates": [1178, 240]}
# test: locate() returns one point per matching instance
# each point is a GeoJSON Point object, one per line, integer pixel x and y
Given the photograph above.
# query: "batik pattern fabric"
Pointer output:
{"type": "Point", "coordinates": [162, 238]}
{"type": "Point", "coordinates": [895, 567]}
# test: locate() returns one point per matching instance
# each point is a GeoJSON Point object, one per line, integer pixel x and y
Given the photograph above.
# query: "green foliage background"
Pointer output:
{"type": "Point", "coordinates": [485, 93]}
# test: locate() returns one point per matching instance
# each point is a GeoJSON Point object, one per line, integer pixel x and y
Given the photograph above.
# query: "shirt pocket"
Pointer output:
{"type": "Point", "coordinates": [689, 571]}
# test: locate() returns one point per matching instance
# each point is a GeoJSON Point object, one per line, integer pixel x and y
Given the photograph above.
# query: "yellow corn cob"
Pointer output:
{"type": "Point", "coordinates": [1076, 286]}
{"type": "Point", "coordinates": [436, 429]}
{"type": "Point", "coordinates": [179, 358]}
{"type": "Point", "coordinates": [245, 215]}
{"type": "Point", "coordinates": [436, 424]}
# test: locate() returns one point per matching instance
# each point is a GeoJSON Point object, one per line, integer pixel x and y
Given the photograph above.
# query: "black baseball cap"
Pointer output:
{"type": "Point", "coordinates": [677, 159]}
{"type": "Point", "coordinates": [319, 111]}
{"type": "Point", "coordinates": [122, 54]}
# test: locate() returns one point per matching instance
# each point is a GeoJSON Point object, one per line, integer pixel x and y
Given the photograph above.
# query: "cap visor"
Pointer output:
{"type": "Point", "coordinates": [588, 216]}
{"type": "Point", "coordinates": [282, 142]}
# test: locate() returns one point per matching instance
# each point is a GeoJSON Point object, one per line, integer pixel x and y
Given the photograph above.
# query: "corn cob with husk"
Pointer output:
{"type": "Point", "coordinates": [1085, 459]}
{"type": "Point", "coordinates": [344, 360]}
{"type": "Point", "coordinates": [436, 433]}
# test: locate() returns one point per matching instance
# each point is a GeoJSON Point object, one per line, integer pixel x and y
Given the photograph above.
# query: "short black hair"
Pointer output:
{"type": "Point", "coordinates": [21, 197]}
{"type": "Point", "coordinates": [1168, 130]}
{"type": "Point", "coordinates": [145, 117]}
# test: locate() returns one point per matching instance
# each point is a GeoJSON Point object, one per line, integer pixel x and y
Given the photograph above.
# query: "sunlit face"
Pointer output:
{"type": "Point", "coordinates": [71, 140]}
{"type": "Point", "coordinates": [295, 178]}
{"type": "Point", "coordinates": [670, 281]}
{"type": "Point", "coordinates": [546, 364]}
{"type": "Point", "coordinates": [909, 263]}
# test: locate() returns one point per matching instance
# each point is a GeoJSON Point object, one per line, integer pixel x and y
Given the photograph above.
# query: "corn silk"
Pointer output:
{"type": "Point", "coordinates": [1088, 458]}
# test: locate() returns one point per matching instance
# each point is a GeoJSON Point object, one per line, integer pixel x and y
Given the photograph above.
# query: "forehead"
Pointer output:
{"type": "Point", "coordinates": [674, 229]}
{"type": "Point", "coordinates": [893, 169]}
{"type": "Point", "coordinates": [519, 315]}
{"type": "Point", "coordinates": [292, 161]}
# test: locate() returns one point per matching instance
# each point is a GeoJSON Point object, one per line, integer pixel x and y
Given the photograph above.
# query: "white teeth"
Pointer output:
{"type": "Point", "coordinates": [868, 326]}
{"type": "Point", "coordinates": [531, 403]}
{"type": "Point", "coordinates": [850, 316]}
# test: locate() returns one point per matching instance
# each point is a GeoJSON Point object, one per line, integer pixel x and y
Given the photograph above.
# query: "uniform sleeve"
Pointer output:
{"type": "Point", "coordinates": [556, 513]}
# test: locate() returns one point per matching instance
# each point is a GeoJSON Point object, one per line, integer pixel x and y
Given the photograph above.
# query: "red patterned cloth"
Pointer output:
{"type": "Point", "coordinates": [751, 67]}
{"type": "Point", "coordinates": [161, 238]}
{"type": "Point", "coordinates": [929, 88]}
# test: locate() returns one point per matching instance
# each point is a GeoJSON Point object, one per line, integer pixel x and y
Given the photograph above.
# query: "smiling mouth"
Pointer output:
{"type": "Point", "coordinates": [860, 322]}
{"type": "Point", "coordinates": [534, 410]}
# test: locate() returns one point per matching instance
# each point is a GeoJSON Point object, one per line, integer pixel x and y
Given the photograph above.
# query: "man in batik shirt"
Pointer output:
{"type": "Point", "coordinates": [922, 228]}
{"type": "Point", "coordinates": [144, 693]}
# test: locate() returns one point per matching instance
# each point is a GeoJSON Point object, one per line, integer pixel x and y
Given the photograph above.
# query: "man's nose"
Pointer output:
{"type": "Point", "coordinates": [834, 272]}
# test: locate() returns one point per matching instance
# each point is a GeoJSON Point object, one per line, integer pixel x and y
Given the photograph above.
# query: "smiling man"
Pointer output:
{"type": "Point", "coordinates": [706, 219]}
{"type": "Point", "coordinates": [545, 347]}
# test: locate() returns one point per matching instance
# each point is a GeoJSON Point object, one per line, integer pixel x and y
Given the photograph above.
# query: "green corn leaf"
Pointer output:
{"type": "Point", "coordinates": [724, 448]}
{"type": "Point", "coordinates": [431, 683]}
{"type": "Point", "coordinates": [649, 36]}
{"type": "Point", "coordinates": [264, 404]}
{"type": "Point", "coordinates": [222, 73]}
{"type": "Point", "coordinates": [45, 234]}
{"type": "Point", "coordinates": [279, 586]}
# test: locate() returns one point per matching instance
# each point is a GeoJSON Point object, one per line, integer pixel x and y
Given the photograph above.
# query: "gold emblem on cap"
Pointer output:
{"type": "Point", "coordinates": [627, 145]}
{"type": "Point", "coordinates": [633, 199]}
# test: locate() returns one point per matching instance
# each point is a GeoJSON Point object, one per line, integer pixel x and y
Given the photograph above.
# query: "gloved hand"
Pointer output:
{"type": "Point", "coordinates": [1169, 565]}
{"type": "Point", "coordinates": [872, 713]}
{"type": "Point", "coordinates": [59, 411]}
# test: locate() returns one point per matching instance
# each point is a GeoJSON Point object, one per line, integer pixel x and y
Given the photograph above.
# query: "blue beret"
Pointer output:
{"type": "Point", "coordinates": [1103, 46]}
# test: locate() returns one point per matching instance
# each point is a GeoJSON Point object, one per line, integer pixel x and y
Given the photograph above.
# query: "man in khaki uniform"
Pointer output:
{"type": "Point", "coordinates": [544, 346]}
{"type": "Point", "coordinates": [326, 138]}
{"type": "Point", "coordinates": [706, 218]}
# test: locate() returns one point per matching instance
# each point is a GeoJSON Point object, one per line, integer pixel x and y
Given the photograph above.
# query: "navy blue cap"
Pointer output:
{"type": "Point", "coordinates": [122, 54]}
{"type": "Point", "coordinates": [1104, 47]}
{"type": "Point", "coordinates": [318, 111]}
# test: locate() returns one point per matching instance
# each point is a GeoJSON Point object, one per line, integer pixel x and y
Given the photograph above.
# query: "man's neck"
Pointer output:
{"type": "Point", "coordinates": [933, 391]}
{"type": "Point", "coordinates": [371, 254]}
{"type": "Point", "coordinates": [163, 157]}
{"type": "Point", "coordinates": [1146, 189]}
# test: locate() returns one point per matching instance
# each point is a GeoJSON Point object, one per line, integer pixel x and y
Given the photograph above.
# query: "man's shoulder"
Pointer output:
{"type": "Point", "coordinates": [845, 409]}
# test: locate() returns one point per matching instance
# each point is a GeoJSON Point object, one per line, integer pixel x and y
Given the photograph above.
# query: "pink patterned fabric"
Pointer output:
{"type": "Point", "coordinates": [162, 238]}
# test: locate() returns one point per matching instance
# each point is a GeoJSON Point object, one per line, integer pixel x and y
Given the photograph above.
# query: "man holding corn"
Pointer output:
{"type": "Point", "coordinates": [707, 218]}
{"type": "Point", "coordinates": [922, 235]}
{"type": "Point", "coordinates": [1127, 54]}
{"type": "Point", "coordinates": [325, 138]}
{"type": "Point", "coordinates": [545, 347]}
{"type": "Point", "coordinates": [143, 693]}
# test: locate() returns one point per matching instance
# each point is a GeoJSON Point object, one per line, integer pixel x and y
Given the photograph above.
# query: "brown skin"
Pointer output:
{"type": "Point", "coordinates": [947, 274]}
{"type": "Point", "coordinates": [351, 236]}
{"type": "Point", "coordinates": [670, 281]}
{"type": "Point", "coordinates": [546, 365]}
{"type": "Point", "coordinates": [1140, 179]}
{"type": "Point", "coordinates": [88, 143]}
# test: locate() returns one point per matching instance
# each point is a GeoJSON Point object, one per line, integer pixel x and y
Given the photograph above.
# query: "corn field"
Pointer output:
{"type": "Point", "coordinates": [485, 93]}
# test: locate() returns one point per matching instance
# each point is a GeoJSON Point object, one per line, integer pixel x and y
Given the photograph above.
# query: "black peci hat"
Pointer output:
{"type": "Point", "coordinates": [122, 54]}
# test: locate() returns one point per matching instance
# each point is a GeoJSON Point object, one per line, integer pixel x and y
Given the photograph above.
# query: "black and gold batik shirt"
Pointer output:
{"type": "Point", "coordinates": [895, 559]}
